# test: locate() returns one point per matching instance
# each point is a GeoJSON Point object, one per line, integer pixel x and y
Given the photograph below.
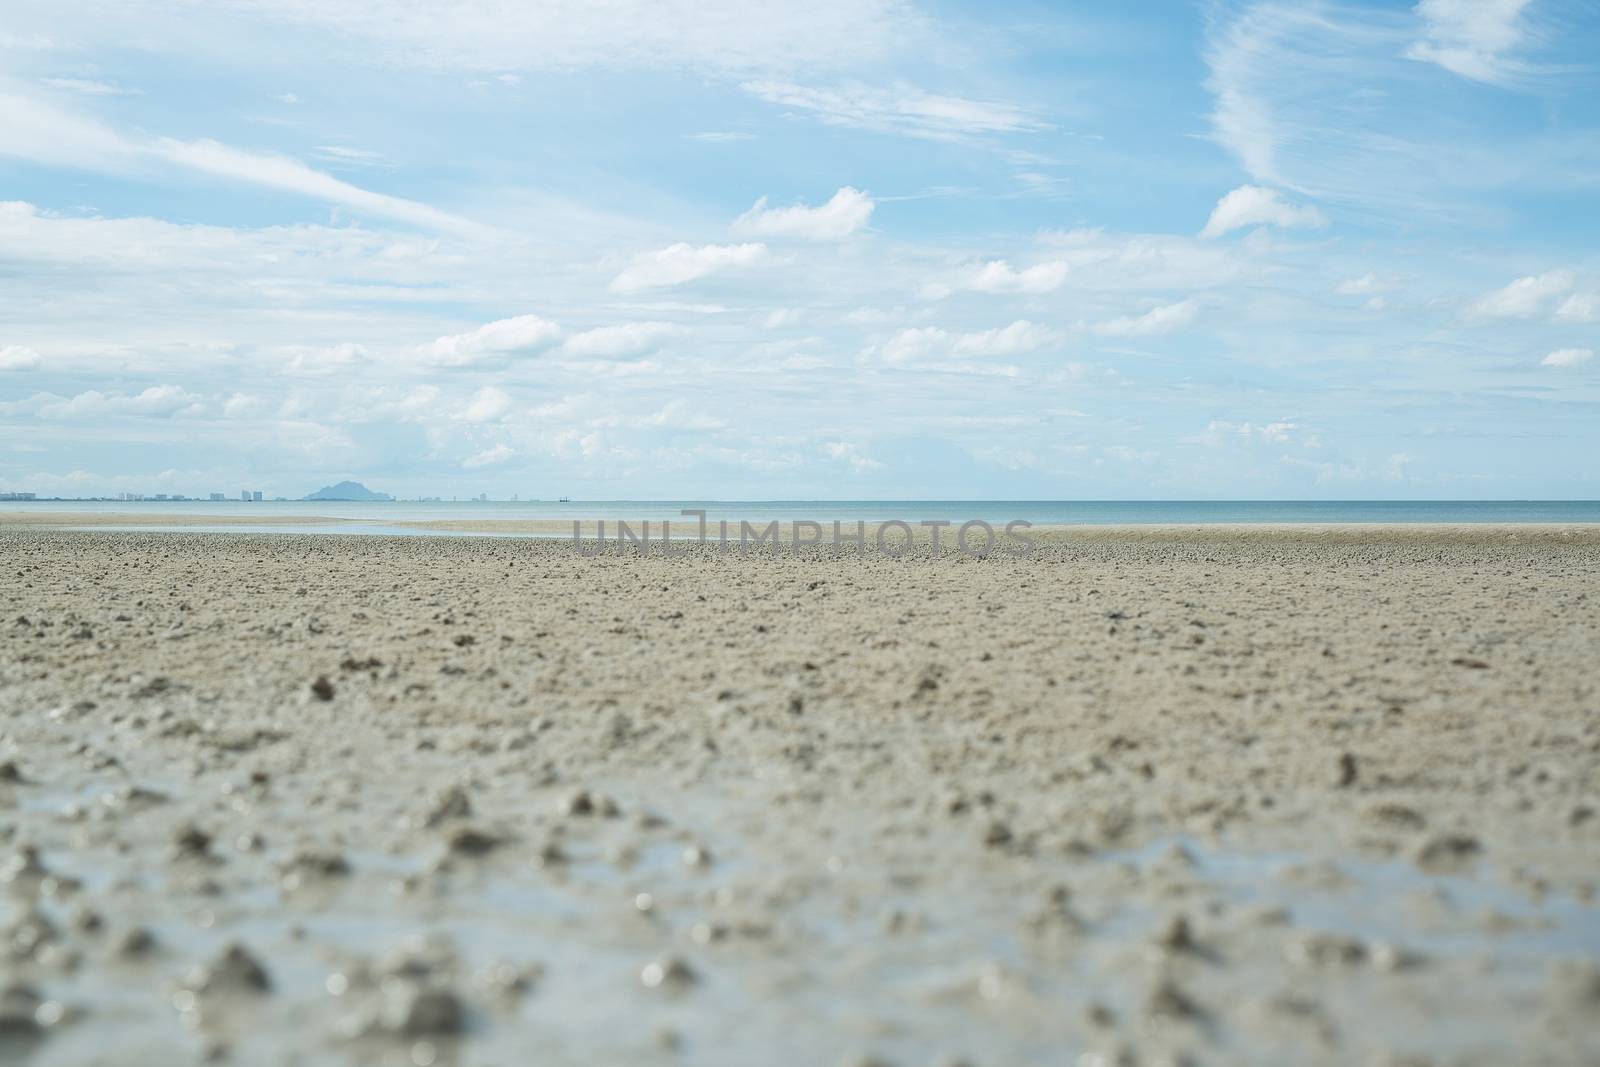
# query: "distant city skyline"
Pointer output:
{"type": "Point", "coordinates": [850, 249]}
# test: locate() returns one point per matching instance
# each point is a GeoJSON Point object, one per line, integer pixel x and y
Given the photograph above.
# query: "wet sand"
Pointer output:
{"type": "Point", "coordinates": [1221, 795]}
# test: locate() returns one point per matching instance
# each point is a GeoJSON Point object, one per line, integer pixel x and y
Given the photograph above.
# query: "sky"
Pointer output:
{"type": "Point", "coordinates": [760, 249]}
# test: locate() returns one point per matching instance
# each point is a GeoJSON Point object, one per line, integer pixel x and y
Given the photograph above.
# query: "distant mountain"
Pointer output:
{"type": "Point", "coordinates": [348, 491]}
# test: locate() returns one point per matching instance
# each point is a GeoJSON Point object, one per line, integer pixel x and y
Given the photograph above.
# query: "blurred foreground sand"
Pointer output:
{"type": "Point", "coordinates": [1235, 795]}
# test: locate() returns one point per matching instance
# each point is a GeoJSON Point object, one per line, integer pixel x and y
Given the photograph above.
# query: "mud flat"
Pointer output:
{"type": "Point", "coordinates": [1181, 796]}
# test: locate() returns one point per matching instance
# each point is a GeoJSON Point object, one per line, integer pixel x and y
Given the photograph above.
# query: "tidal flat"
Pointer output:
{"type": "Point", "coordinates": [1224, 795]}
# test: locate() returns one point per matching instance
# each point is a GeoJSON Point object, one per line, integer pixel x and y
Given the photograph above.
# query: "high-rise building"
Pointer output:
{"type": "Point", "coordinates": [255, 495]}
{"type": "Point", "coordinates": [217, 496]}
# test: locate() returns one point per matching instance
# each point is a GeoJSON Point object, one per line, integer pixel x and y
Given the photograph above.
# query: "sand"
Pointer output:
{"type": "Point", "coordinates": [1164, 796]}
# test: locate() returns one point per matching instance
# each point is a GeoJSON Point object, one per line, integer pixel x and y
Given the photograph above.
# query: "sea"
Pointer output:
{"type": "Point", "coordinates": [389, 516]}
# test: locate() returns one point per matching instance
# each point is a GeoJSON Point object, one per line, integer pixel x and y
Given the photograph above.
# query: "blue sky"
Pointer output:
{"type": "Point", "coordinates": [841, 249]}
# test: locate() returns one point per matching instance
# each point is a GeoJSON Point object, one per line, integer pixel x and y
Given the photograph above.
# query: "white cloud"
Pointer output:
{"type": "Point", "coordinates": [1470, 37]}
{"type": "Point", "coordinates": [720, 136]}
{"type": "Point", "coordinates": [780, 317]}
{"type": "Point", "coordinates": [88, 87]}
{"type": "Point", "coordinates": [902, 109]}
{"type": "Point", "coordinates": [493, 37]}
{"type": "Point", "coordinates": [489, 404]}
{"type": "Point", "coordinates": [337, 153]}
{"type": "Point", "coordinates": [241, 406]}
{"type": "Point", "coordinates": [329, 359]}
{"type": "Point", "coordinates": [998, 276]}
{"type": "Point", "coordinates": [840, 217]}
{"type": "Point", "coordinates": [1567, 357]}
{"type": "Point", "coordinates": [281, 172]}
{"type": "Point", "coordinates": [1366, 285]}
{"type": "Point", "coordinates": [158, 401]}
{"type": "Point", "coordinates": [1523, 298]}
{"type": "Point", "coordinates": [16, 357]}
{"type": "Point", "coordinates": [1145, 263]}
{"type": "Point", "coordinates": [680, 263]}
{"type": "Point", "coordinates": [29, 43]}
{"type": "Point", "coordinates": [1158, 320]}
{"type": "Point", "coordinates": [1281, 432]}
{"type": "Point", "coordinates": [524, 333]}
{"type": "Point", "coordinates": [1252, 205]}
{"type": "Point", "coordinates": [1018, 338]}
{"type": "Point", "coordinates": [921, 342]}
{"type": "Point", "coordinates": [915, 343]}
{"type": "Point", "coordinates": [847, 452]}
{"type": "Point", "coordinates": [1580, 307]}
{"type": "Point", "coordinates": [677, 416]}
{"type": "Point", "coordinates": [39, 131]}
{"type": "Point", "coordinates": [412, 405]}
{"type": "Point", "coordinates": [618, 342]}
{"type": "Point", "coordinates": [488, 457]}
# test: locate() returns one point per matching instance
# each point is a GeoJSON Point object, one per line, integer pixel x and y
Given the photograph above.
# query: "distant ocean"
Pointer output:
{"type": "Point", "coordinates": [371, 517]}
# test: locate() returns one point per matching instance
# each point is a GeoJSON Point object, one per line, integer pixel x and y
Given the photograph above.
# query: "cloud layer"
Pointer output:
{"type": "Point", "coordinates": [764, 249]}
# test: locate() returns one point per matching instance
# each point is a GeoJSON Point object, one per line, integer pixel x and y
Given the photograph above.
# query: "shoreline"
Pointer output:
{"type": "Point", "coordinates": [139, 520]}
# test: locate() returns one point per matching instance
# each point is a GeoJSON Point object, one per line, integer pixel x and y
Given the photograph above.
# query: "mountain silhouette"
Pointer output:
{"type": "Point", "coordinates": [347, 491]}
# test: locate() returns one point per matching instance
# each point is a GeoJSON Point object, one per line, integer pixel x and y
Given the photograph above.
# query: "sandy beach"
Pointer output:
{"type": "Point", "coordinates": [1209, 795]}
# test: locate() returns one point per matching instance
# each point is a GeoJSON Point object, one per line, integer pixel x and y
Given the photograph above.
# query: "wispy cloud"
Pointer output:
{"type": "Point", "coordinates": [923, 342]}
{"type": "Point", "coordinates": [1472, 38]}
{"type": "Point", "coordinates": [88, 87]}
{"type": "Point", "coordinates": [1325, 99]}
{"type": "Point", "coordinates": [619, 342]}
{"type": "Point", "coordinates": [488, 457]}
{"type": "Point", "coordinates": [42, 132]}
{"type": "Point", "coordinates": [282, 172]}
{"type": "Point", "coordinates": [680, 263]}
{"type": "Point", "coordinates": [494, 38]}
{"type": "Point", "coordinates": [158, 401]}
{"type": "Point", "coordinates": [902, 109]}
{"type": "Point", "coordinates": [334, 153]}
{"type": "Point", "coordinates": [850, 453]}
{"type": "Point", "coordinates": [1369, 284]}
{"type": "Point", "coordinates": [1158, 320]}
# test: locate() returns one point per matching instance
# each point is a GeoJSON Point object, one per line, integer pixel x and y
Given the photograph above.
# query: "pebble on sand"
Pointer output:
{"type": "Point", "coordinates": [19, 1007]}
{"type": "Point", "coordinates": [670, 973]}
{"type": "Point", "coordinates": [1347, 771]}
{"type": "Point", "coordinates": [191, 842]}
{"type": "Point", "coordinates": [233, 971]}
{"type": "Point", "coordinates": [416, 1011]}
{"type": "Point", "coordinates": [471, 841]}
{"type": "Point", "coordinates": [1169, 1000]}
{"type": "Point", "coordinates": [452, 803]}
{"type": "Point", "coordinates": [1448, 853]}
